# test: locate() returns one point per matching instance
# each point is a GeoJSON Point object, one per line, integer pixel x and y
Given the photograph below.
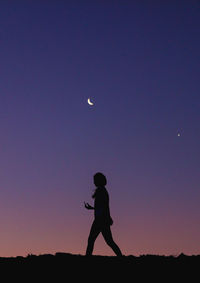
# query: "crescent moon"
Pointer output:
{"type": "Point", "coordinates": [89, 102]}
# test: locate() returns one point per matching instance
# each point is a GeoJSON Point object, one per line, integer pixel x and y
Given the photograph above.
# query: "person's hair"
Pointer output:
{"type": "Point", "coordinates": [100, 180]}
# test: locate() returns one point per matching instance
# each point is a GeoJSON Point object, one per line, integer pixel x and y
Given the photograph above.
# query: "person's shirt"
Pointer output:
{"type": "Point", "coordinates": [101, 205]}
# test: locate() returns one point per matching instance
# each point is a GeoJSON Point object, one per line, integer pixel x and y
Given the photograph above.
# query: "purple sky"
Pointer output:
{"type": "Point", "coordinates": [139, 62]}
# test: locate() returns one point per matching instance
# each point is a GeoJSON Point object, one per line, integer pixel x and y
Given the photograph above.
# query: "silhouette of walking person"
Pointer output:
{"type": "Point", "coordinates": [102, 219]}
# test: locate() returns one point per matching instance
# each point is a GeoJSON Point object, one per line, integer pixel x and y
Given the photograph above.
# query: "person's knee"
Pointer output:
{"type": "Point", "coordinates": [110, 242]}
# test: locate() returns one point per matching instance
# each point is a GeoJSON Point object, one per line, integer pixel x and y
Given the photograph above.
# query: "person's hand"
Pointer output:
{"type": "Point", "coordinates": [88, 206]}
{"type": "Point", "coordinates": [111, 221]}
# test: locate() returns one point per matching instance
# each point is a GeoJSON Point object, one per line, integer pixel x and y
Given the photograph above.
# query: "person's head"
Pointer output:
{"type": "Point", "coordinates": [99, 180]}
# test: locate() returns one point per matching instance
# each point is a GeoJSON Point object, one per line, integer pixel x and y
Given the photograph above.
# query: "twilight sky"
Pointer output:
{"type": "Point", "coordinates": [139, 62]}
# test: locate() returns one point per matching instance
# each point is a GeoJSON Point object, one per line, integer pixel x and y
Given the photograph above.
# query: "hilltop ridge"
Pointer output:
{"type": "Point", "coordinates": [68, 265]}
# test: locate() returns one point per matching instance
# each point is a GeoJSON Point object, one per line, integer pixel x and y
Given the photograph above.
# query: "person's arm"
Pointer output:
{"type": "Point", "coordinates": [88, 206]}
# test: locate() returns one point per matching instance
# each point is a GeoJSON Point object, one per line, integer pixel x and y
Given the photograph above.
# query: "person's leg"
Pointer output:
{"type": "Point", "coordinates": [94, 232]}
{"type": "Point", "coordinates": [106, 232]}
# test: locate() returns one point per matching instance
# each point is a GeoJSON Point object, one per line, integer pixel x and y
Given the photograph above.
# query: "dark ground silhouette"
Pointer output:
{"type": "Point", "coordinates": [64, 266]}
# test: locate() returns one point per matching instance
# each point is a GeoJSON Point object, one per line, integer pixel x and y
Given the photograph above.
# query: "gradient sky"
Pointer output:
{"type": "Point", "coordinates": [139, 62]}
